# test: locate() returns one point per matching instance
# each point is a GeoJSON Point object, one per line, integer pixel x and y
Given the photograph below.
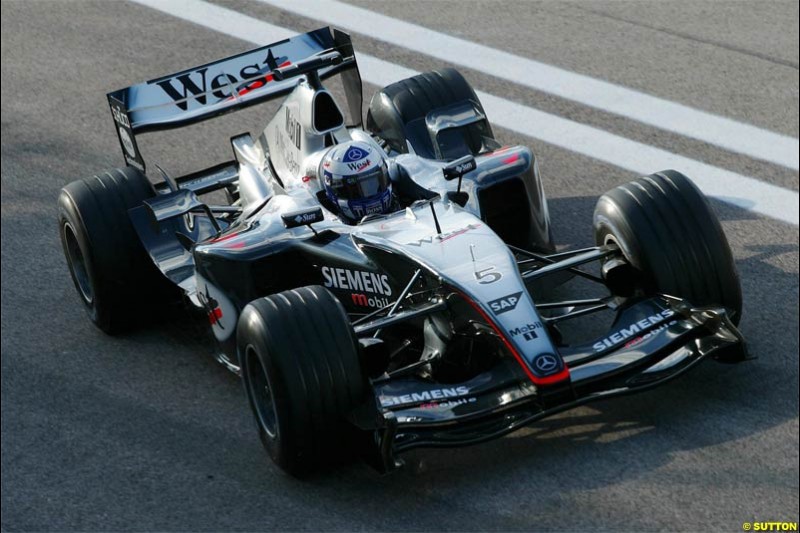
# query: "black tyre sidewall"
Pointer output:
{"type": "Point", "coordinates": [410, 99]}
{"type": "Point", "coordinates": [277, 447]}
{"type": "Point", "coordinates": [304, 341]}
{"type": "Point", "coordinates": [126, 284]}
{"type": "Point", "coordinates": [667, 229]}
{"type": "Point", "coordinates": [67, 214]}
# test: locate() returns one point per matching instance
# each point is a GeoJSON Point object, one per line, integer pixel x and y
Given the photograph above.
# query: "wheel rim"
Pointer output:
{"type": "Point", "coordinates": [261, 393]}
{"type": "Point", "coordinates": [77, 265]}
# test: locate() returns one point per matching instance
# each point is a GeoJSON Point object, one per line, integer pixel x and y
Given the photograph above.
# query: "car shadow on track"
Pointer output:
{"type": "Point", "coordinates": [155, 415]}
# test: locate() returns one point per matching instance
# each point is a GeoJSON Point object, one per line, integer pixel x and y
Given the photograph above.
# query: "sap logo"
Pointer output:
{"type": "Point", "coordinates": [528, 331]}
{"type": "Point", "coordinates": [505, 304]}
{"type": "Point", "coordinates": [195, 84]}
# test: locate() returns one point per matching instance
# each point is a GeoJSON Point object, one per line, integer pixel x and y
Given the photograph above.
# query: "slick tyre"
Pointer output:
{"type": "Point", "coordinates": [301, 371]}
{"type": "Point", "coordinates": [668, 231]}
{"type": "Point", "coordinates": [397, 112]}
{"type": "Point", "coordinates": [113, 274]}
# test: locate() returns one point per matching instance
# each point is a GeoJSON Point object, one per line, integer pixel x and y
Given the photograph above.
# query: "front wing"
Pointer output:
{"type": "Point", "coordinates": [408, 414]}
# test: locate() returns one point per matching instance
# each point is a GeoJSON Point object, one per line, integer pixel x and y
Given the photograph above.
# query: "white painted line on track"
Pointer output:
{"type": "Point", "coordinates": [748, 193]}
{"type": "Point", "coordinates": [657, 112]}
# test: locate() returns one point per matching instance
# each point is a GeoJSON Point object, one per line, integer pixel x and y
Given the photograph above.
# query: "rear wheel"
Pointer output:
{"type": "Point", "coordinates": [405, 112]}
{"type": "Point", "coordinates": [113, 274]}
{"type": "Point", "coordinates": [397, 113]}
{"type": "Point", "coordinates": [302, 376]}
{"type": "Point", "coordinates": [669, 233]}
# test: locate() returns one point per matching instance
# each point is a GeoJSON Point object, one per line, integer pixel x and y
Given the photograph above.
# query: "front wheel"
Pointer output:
{"type": "Point", "coordinates": [667, 230]}
{"type": "Point", "coordinates": [302, 375]}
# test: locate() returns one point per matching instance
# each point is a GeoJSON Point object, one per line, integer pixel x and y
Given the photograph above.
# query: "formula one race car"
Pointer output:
{"type": "Point", "coordinates": [380, 288]}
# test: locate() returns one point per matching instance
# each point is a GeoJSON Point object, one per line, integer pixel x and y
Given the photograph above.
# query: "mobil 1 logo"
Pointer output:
{"type": "Point", "coordinates": [527, 331]}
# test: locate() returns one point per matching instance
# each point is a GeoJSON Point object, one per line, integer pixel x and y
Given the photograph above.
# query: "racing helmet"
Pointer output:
{"type": "Point", "coordinates": [356, 180]}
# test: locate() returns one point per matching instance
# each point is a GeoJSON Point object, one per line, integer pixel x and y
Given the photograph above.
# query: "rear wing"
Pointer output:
{"type": "Point", "coordinates": [230, 84]}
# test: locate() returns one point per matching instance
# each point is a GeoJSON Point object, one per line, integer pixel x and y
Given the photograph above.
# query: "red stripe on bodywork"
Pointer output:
{"type": "Point", "coordinates": [226, 237]}
{"type": "Point", "coordinates": [260, 82]}
{"type": "Point", "coordinates": [549, 380]}
{"type": "Point", "coordinates": [214, 315]}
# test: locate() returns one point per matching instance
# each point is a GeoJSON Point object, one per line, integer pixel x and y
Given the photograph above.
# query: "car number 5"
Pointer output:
{"type": "Point", "coordinates": [487, 275]}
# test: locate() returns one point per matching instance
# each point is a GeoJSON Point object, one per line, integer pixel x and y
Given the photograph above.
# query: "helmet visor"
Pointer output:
{"type": "Point", "coordinates": [363, 186]}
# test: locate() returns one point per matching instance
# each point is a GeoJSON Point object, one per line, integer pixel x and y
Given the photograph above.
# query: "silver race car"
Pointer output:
{"type": "Point", "coordinates": [386, 286]}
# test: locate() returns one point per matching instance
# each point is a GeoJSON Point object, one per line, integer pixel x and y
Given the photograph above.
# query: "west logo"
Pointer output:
{"type": "Point", "coordinates": [444, 236]}
{"type": "Point", "coordinates": [195, 84]}
{"type": "Point", "coordinates": [505, 304]}
{"type": "Point", "coordinates": [361, 165]}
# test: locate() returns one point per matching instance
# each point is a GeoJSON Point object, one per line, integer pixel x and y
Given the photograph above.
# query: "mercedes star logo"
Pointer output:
{"type": "Point", "coordinates": [545, 363]}
{"type": "Point", "coordinates": [354, 154]}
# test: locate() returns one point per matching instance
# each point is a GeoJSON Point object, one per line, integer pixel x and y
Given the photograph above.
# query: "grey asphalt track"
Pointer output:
{"type": "Point", "coordinates": [146, 432]}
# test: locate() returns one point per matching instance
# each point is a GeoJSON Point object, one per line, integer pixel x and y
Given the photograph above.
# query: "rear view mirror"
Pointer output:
{"type": "Point", "coordinates": [459, 167]}
{"type": "Point", "coordinates": [302, 217]}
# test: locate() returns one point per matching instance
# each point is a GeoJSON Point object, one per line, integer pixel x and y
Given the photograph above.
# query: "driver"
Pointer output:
{"type": "Point", "coordinates": [356, 180]}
